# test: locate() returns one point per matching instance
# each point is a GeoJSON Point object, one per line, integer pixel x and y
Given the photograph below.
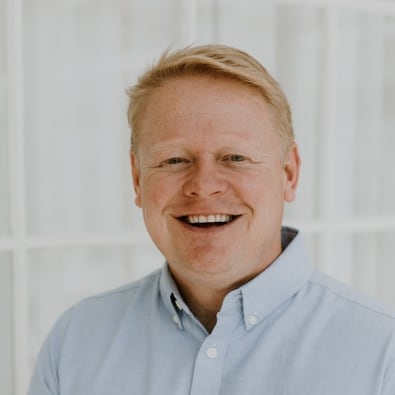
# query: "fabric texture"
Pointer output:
{"type": "Point", "coordinates": [291, 330]}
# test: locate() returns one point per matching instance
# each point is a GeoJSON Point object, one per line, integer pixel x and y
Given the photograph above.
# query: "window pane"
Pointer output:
{"type": "Point", "coordinates": [299, 40]}
{"type": "Point", "coordinates": [6, 338]}
{"type": "Point", "coordinates": [248, 26]}
{"type": "Point", "coordinates": [79, 58]}
{"type": "Point", "coordinates": [4, 158]}
{"type": "Point", "coordinates": [58, 278]}
{"type": "Point", "coordinates": [366, 115]}
{"type": "Point", "coordinates": [365, 261]}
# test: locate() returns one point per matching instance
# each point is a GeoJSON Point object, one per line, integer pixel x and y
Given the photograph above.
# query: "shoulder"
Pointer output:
{"type": "Point", "coordinates": [92, 325]}
{"type": "Point", "coordinates": [99, 316]}
{"type": "Point", "coordinates": [104, 311]}
{"type": "Point", "coordinates": [345, 297]}
{"type": "Point", "coordinates": [125, 291]}
{"type": "Point", "coordinates": [121, 298]}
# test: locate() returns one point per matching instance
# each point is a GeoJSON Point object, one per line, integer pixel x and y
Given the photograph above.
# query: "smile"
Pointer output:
{"type": "Point", "coordinates": [208, 220]}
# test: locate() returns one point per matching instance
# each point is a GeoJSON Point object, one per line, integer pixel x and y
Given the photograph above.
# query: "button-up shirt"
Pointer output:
{"type": "Point", "coordinates": [289, 331]}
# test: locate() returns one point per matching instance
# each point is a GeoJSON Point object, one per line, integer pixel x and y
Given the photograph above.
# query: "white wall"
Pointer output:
{"type": "Point", "coordinates": [68, 226]}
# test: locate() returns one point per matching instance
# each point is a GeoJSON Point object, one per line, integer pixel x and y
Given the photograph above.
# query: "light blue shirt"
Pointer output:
{"type": "Point", "coordinates": [289, 331]}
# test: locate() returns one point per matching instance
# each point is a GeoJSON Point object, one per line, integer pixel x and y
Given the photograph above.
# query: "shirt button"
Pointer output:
{"type": "Point", "coordinates": [252, 320]}
{"type": "Point", "coordinates": [212, 352]}
{"type": "Point", "coordinates": [176, 319]}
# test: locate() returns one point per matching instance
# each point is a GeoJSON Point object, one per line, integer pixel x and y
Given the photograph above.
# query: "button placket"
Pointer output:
{"type": "Point", "coordinates": [209, 364]}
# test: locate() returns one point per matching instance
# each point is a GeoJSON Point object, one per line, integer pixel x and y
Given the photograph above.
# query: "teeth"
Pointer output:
{"type": "Point", "coordinates": [212, 218]}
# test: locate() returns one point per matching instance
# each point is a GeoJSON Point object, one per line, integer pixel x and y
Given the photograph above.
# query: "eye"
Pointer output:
{"type": "Point", "coordinates": [173, 162]}
{"type": "Point", "coordinates": [235, 158]}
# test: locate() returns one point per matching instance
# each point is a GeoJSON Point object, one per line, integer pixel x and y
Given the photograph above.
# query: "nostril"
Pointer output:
{"type": "Point", "coordinates": [205, 178]}
{"type": "Point", "coordinates": [204, 188]}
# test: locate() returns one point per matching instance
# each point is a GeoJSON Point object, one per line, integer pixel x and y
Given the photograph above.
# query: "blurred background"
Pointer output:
{"type": "Point", "coordinates": [68, 225]}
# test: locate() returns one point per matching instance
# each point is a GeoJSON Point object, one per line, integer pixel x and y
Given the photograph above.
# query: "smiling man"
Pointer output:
{"type": "Point", "coordinates": [211, 179]}
{"type": "Point", "coordinates": [237, 308]}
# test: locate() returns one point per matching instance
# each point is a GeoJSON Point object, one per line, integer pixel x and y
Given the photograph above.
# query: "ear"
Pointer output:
{"type": "Point", "coordinates": [136, 177]}
{"type": "Point", "coordinates": [291, 172]}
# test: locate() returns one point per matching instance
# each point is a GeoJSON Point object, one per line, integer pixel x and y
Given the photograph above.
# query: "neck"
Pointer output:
{"type": "Point", "coordinates": [204, 304]}
{"type": "Point", "coordinates": [203, 300]}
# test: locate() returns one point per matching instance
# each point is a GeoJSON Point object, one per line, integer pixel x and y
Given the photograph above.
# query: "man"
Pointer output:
{"type": "Point", "coordinates": [237, 308]}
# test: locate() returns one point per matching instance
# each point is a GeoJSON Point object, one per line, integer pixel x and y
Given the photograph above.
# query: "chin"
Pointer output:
{"type": "Point", "coordinates": [210, 265]}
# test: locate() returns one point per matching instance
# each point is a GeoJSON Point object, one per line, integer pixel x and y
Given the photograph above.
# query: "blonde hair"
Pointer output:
{"type": "Point", "coordinates": [217, 60]}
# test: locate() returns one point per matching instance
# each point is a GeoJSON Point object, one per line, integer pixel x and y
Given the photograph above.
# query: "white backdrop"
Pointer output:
{"type": "Point", "coordinates": [68, 225]}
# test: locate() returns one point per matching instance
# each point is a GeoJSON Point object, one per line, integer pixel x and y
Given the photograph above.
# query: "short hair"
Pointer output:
{"type": "Point", "coordinates": [214, 60]}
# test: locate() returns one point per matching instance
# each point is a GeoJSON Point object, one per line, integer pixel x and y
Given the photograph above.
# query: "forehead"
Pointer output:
{"type": "Point", "coordinates": [191, 85]}
{"type": "Point", "coordinates": [203, 113]}
{"type": "Point", "coordinates": [197, 97]}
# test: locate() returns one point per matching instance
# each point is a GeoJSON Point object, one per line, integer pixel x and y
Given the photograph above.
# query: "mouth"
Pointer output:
{"type": "Point", "coordinates": [206, 221]}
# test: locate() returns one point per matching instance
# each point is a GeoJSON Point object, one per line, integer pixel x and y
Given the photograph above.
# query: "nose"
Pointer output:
{"type": "Point", "coordinates": [205, 180]}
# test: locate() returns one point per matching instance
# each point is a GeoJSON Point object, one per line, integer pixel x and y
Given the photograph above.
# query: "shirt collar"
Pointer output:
{"type": "Point", "coordinates": [263, 294]}
{"type": "Point", "coordinates": [171, 296]}
{"type": "Point", "coordinates": [278, 282]}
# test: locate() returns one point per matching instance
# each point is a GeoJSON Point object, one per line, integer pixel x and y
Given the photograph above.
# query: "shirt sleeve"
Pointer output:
{"type": "Point", "coordinates": [45, 378]}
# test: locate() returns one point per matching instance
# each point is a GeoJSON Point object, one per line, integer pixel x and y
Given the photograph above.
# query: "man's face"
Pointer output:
{"type": "Point", "coordinates": [209, 177]}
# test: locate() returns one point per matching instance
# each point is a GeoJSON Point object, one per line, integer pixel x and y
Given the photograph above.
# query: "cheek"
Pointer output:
{"type": "Point", "coordinates": [156, 192]}
{"type": "Point", "coordinates": [262, 192]}
{"type": "Point", "coordinates": [152, 206]}
{"type": "Point", "coordinates": [151, 198]}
